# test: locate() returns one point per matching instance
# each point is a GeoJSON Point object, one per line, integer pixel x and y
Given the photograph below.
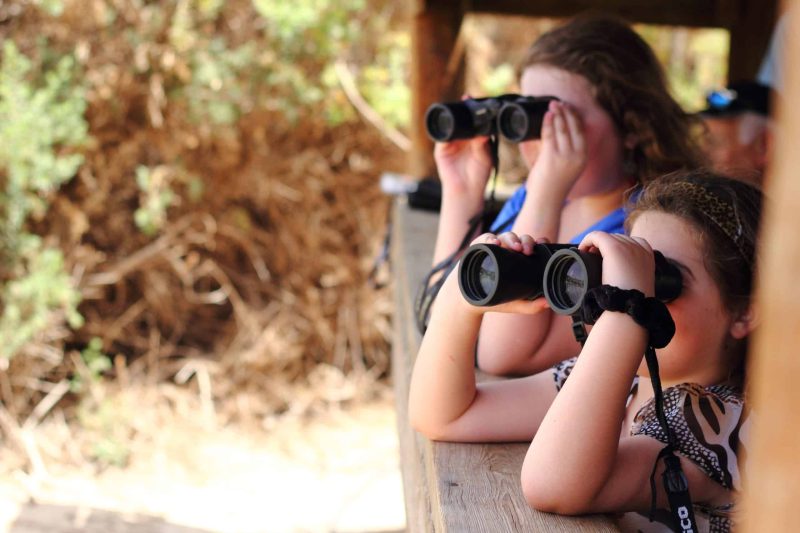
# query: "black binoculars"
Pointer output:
{"type": "Point", "coordinates": [490, 274]}
{"type": "Point", "coordinates": [517, 118]}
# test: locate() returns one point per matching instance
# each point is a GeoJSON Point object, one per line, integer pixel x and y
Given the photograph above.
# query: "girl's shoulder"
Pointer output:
{"type": "Point", "coordinates": [708, 424]}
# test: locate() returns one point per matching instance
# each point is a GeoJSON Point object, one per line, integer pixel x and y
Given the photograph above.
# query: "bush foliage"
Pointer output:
{"type": "Point", "coordinates": [41, 122]}
{"type": "Point", "coordinates": [187, 191]}
{"type": "Point", "coordinates": [163, 166]}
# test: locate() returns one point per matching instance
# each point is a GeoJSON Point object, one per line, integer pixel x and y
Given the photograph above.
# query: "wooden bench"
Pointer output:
{"type": "Point", "coordinates": [453, 487]}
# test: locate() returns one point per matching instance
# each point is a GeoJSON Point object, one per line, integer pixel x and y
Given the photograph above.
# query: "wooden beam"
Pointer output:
{"type": "Point", "coordinates": [437, 74]}
{"type": "Point", "coordinates": [674, 12]}
{"type": "Point", "coordinates": [750, 31]}
{"type": "Point", "coordinates": [772, 480]}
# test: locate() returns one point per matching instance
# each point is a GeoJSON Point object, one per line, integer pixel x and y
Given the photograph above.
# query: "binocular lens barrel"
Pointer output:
{"type": "Point", "coordinates": [480, 278]}
{"type": "Point", "coordinates": [462, 120]}
{"type": "Point", "coordinates": [490, 274]}
{"type": "Point", "coordinates": [517, 118]}
{"type": "Point", "coordinates": [444, 121]}
{"type": "Point", "coordinates": [519, 122]}
{"type": "Point", "coordinates": [568, 276]}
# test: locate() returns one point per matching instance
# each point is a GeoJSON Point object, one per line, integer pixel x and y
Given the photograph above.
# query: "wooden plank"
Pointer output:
{"type": "Point", "coordinates": [480, 490]}
{"type": "Point", "coordinates": [773, 470]}
{"type": "Point", "coordinates": [453, 487]}
{"type": "Point", "coordinates": [409, 261]}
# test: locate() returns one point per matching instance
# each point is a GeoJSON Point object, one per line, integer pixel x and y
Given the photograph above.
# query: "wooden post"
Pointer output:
{"type": "Point", "coordinates": [437, 72]}
{"type": "Point", "coordinates": [750, 31]}
{"type": "Point", "coordinates": [772, 482]}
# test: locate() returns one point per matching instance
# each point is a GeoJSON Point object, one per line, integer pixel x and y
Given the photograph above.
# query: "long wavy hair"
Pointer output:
{"type": "Point", "coordinates": [629, 84]}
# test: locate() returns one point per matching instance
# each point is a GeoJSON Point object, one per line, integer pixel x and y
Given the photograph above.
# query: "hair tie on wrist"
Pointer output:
{"type": "Point", "coordinates": [650, 313]}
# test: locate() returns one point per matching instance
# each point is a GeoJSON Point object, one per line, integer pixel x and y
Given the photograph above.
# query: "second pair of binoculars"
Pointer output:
{"type": "Point", "coordinates": [490, 274]}
{"type": "Point", "coordinates": [515, 117]}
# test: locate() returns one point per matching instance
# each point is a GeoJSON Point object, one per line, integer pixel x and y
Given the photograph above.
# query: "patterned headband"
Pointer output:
{"type": "Point", "coordinates": [722, 213]}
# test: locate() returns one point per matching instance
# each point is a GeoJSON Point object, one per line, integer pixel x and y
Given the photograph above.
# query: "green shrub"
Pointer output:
{"type": "Point", "coordinates": [41, 120]}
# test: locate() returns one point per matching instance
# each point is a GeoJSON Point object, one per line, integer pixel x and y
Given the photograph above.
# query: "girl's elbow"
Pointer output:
{"type": "Point", "coordinates": [425, 427]}
{"type": "Point", "coordinates": [552, 496]}
{"type": "Point", "coordinates": [540, 496]}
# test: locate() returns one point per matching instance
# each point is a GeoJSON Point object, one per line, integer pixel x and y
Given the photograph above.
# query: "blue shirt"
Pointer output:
{"type": "Point", "coordinates": [611, 223]}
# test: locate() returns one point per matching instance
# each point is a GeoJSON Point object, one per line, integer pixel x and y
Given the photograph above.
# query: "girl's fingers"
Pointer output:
{"type": "Point", "coordinates": [521, 243]}
{"type": "Point", "coordinates": [563, 142]}
{"type": "Point", "coordinates": [524, 307]}
{"type": "Point", "coordinates": [547, 124]}
{"type": "Point", "coordinates": [528, 243]}
{"type": "Point", "coordinates": [509, 239]}
{"type": "Point", "coordinates": [591, 241]}
{"type": "Point", "coordinates": [486, 238]}
{"type": "Point", "coordinates": [575, 129]}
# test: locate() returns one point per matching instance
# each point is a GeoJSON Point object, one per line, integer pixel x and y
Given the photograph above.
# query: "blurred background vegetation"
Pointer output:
{"type": "Point", "coordinates": [190, 201]}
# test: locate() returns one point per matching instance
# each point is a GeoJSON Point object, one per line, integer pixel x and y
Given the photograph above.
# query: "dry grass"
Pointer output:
{"type": "Point", "coordinates": [254, 297]}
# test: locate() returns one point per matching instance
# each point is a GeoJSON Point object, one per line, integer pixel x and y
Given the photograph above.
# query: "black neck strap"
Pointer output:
{"type": "Point", "coordinates": [652, 315]}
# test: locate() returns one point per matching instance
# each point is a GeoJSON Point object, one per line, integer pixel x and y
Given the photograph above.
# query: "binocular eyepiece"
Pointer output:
{"type": "Point", "coordinates": [490, 274]}
{"type": "Point", "coordinates": [517, 118]}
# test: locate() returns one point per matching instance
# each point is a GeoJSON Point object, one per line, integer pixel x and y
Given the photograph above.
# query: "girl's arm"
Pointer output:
{"type": "Point", "coordinates": [446, 403]}
{"type": "Point", "coordinates": [574, 454]}
{"type": "Point", "coordinates": [577, 462]}
{"type": "Point", "coordinates": [575, 450]}
{"type": "Point", "coordinates": [463, 167]}
{"type": "Point", "coordinates": [547, 339]}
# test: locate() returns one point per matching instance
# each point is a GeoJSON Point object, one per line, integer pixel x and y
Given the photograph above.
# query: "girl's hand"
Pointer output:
{"type": "Point", "coordinates": [627, 261]}
{"type": "Point", "coordinates": [519, 243]}
{"type": "Point", "coordinates": [464, 165]}
{"type": "Point", "coordinates": [558, 159]}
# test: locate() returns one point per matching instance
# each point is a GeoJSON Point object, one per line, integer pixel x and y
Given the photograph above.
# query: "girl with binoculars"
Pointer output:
{"type": "Point", "coordinates": [596, 429]}
{"type": "Point", "coordinates": [610, 127]}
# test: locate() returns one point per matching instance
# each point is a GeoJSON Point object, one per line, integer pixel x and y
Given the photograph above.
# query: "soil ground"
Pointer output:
{"type": "Point", "coordinates": [337, 473]}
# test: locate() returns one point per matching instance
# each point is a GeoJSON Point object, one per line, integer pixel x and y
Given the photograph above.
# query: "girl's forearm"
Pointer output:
{"type": "Point", "coordinates": [573, 453]}
{"type": "Point", "coordinates": [443, 380]}
{"type": "Point", "coordinates": [540, 215]}
{"type": "Point", "coordinates": [454, 216]}
{"type": "Point", "coordinates": [503, 350]}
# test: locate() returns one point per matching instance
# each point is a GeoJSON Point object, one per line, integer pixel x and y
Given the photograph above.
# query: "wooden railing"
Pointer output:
{"type": "Point", "coordinates": [452, 487]}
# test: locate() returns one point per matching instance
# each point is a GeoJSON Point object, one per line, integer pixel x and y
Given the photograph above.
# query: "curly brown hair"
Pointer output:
{"type": "Point", "coordinates": [726, 214]}
{"type": "Point", "coordinates": [629, 83]}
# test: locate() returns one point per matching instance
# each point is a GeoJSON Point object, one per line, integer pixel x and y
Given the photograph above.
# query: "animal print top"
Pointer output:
{"type": "Point", "coordinates": [709, 423]}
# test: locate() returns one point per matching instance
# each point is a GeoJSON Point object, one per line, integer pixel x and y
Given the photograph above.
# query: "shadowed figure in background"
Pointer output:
{"type": "Point", "coordinates": [738, 130]}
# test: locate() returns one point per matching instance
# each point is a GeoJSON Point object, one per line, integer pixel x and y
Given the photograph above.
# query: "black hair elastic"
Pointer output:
{"type": "Point", "coordinates": [650, 313]}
